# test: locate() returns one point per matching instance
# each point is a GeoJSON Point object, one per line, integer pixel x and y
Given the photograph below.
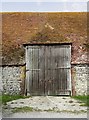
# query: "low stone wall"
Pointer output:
{"type": "Point", "coordinates": [80, 78]}
{"type": "Point", "coordinates": [13, 79]}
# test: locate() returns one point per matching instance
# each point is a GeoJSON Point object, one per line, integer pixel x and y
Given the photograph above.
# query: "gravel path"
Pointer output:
{"type": "Point", "coordinates": [50, 106]}
{"type": "Point", "coordinates": [49, 102]}
{"type": "Point", "coordinates": [47, 115]}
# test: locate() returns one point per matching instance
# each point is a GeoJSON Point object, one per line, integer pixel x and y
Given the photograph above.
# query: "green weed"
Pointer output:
{"type": "Point", "coordinates": [83, 99]}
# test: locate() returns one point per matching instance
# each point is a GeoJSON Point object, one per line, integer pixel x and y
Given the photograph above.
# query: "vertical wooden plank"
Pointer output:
{"type": "Point", "coordinates": [60, 67]}
{"type": "Point", "coordinates": [42, 72]}
{"type": "Point", "coordinates": [59, 70]}
{"type": "Point", "coordinates": [28, 67]}
{"type": "Point", "coordinates": [69, 71]}
{"type": "Point", "coordinates": [50, 71]}
{"type": "Point", "coordinates": [68, 56]}
{"type": "Point", "coordinates": [38, 72]}
{"type": "Point", "coordinates": [68, 66]}
{"type": "Point", "coordinates": [35, 70]}
{"type": "Point", "coordinates": [53, 70]}
{"type": "Point", "coordinates": [65, 65]}
{"type": "Point", "coordinates": [64, 69]}
{"type": "Point", "coordinates": [27, 71]}
{"type": "Point", "coordinates": [48, 79]}
{"type": "Point", "coordinates": [30, 55]}
{"type": "Point", "coordinates": [56, 67]}
{"type": "Point", "coordinates": [46, 71]}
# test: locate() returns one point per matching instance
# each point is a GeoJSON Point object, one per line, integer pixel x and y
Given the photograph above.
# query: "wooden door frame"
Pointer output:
{"type": "Point", "coordinates": [27, 92]}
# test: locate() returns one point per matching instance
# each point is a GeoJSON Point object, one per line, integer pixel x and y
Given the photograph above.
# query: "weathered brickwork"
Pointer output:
{"type": "Point", "coordinates": [12, 79]}
{"type": "Point", "coordinates": [80, 79]}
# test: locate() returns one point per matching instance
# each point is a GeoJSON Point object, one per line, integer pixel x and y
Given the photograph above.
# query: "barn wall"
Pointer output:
{"type": "Point", "coordinates": [80, 77]}
{"type": "Point", "coordinates": [13, 79]}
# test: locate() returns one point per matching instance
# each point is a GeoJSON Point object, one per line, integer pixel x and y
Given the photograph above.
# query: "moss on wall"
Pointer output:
{"type": "Point", "coordinates": [23, 77]}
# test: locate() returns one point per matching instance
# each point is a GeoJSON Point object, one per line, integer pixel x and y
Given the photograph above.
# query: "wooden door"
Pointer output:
{"type": "Point", "coordinates": [48, 69]}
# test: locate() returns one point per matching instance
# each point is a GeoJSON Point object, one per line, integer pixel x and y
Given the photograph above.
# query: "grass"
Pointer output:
{"type": "Point", "coordinates": [31, 109]}
{"type": "Point", "coordinates": [7, 98]}
{"type": "Point", "coordinates": [0, 98]}
{"type": "Point", "coordinates": [83, 99]}
{"type": "Point", "coordinates": [22, 109]}
{"type": "Point", "coordinates": [26, 109]}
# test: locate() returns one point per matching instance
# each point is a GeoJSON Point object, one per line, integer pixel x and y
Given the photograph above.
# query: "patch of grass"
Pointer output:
{"type": "Point", "coordinates": [31, 109]}
{"type": "Point", "coordinates": [83, 99]}
{"type": "Point", "coordinates": [83, 104]}
{"type": "Point", "coordinates": [23, 109]}
{"type": "Point", "coordinates": [49, 110]}
{"type": "Point", "coordinates": [66, 111]}
{"type": "Point", "coordinates": [7, 98]}
{"type": "Point", "coordinates": [0, 98]}
{"type": "Point", "coordinates": [75, 111]}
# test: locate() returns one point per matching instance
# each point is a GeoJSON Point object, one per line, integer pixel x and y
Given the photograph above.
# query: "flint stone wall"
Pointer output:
{"type": "Point", "coordinates": [12, 79]}
{"type": "Point", "coordinates": [81, 79]}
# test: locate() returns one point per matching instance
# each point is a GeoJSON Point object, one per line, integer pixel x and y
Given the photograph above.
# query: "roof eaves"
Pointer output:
{"type": "Point", "coordinates": [54, 43]}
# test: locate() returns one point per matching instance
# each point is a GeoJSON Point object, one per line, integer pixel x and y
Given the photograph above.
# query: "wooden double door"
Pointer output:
{"type": "Point", "coordinates": [48, 69]}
